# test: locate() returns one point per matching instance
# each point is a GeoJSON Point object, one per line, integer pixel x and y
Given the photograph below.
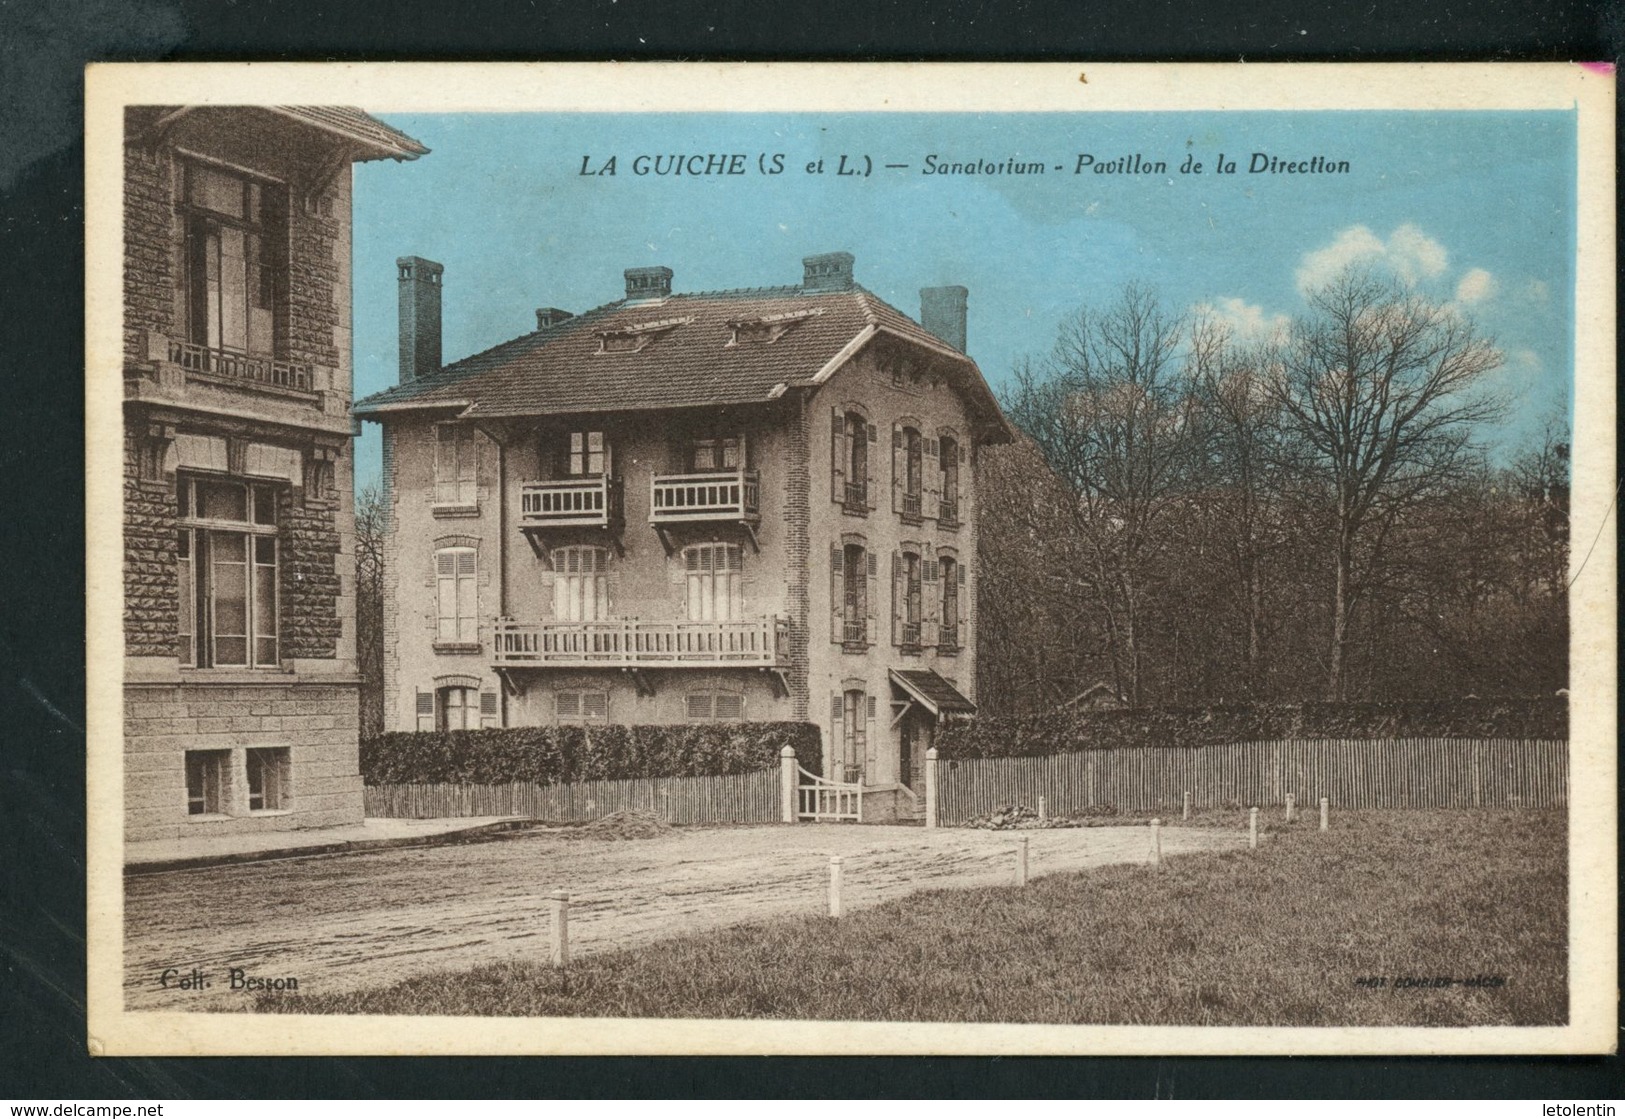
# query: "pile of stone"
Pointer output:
{"type": "Point", "coordinates": [628, 823]}
{"type": "Point", "coordinates": [1018, 817]}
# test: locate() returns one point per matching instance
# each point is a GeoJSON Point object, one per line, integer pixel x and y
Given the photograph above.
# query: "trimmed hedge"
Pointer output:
{"type": "Point", "coordinates": [556, 755]}
{"type": "Point", "coordinates": [1068, 732]}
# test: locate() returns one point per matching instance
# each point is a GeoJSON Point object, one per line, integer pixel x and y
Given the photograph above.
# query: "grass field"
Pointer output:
{"type": "Point", "coordinates": [1274, 937]}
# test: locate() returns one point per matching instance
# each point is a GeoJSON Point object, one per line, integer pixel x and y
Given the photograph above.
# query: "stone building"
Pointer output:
{"type": "Point", "coordinates": [737, 505]}
{"type": "Point", "coordinates": [239, 572]}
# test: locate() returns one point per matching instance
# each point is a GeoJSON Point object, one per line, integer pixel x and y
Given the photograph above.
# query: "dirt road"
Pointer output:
{"type": "Point", "coordinates": [360, 919]}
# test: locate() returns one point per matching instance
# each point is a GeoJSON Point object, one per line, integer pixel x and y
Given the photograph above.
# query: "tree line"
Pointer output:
{"type": "Point", "coordinates": [1193, 517]}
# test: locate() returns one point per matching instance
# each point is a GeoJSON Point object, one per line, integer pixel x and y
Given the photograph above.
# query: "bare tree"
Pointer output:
{"type": "Point", "coordinates": [370, 515]}
{"type": "Point", "coordinates": [1112, 411]}
{"type": "Point", "coordinates": [1385, 388]}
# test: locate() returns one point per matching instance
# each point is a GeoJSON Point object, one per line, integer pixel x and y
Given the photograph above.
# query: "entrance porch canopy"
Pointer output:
{"type": "Point", "coordinates": [932, 692]}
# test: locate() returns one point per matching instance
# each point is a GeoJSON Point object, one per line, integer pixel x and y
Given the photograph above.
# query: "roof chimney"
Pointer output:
{"type": "Point", "coordinates": [550, 316]}
{"type": "Point", "coordinates": [648, 283]}
{"type": "Point", "coordinates": [827, 272]}
{"type": "Point", "coordinates": [420, 317]}
{"type": "Point", "coordinates": [942, 312]}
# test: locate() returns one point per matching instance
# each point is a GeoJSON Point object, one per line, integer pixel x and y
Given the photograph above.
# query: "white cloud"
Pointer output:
{"type": "Point", "coordinates": [1476, 286]}
{"type": "Point", "coordinates": [1247, 322]}
{"type": "Point", "coordinates": [1536, 291]}
{"type": "Point", "coordinates": [1408, 252]}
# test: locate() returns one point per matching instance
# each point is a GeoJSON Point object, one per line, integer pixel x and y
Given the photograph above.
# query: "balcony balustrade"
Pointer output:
{"type": "Point", "coordinates": [725, 495]}
{"type": "Point", "coordinates": [580, 502]}
{"type": "Point", "coordinates": [635, 643]}
{"type": "Point", "coordinates": [233, 364]}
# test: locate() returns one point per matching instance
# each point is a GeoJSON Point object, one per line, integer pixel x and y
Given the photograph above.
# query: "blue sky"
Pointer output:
{"type": "Point", "coordinates": [1474, 208]}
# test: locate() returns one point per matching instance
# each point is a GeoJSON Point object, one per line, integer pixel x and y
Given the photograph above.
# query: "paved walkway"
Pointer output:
{"type": "Point", "coordinates": [195, 851]}
{"type": "Point", "coordinates": [347, 920]}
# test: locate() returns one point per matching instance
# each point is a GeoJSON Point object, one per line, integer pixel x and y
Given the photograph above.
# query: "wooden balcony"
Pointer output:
{"type": "Point", "coordinates": [570, 502]}
{"type": "Point", "coordinates": [723, 495]}
{"type": "Point", "coordinates": [633, 643]}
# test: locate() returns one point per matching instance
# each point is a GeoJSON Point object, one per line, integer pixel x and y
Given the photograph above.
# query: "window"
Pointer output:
{"type": "Point", "coordinates": [227, 566]}
{"type": "Point", "coordinates": [457, 597]}
{"type": "Point", "coordinates": [715, 581]}
{"type": "Point", "coordinates": [206, 782]}
{"type": "Point", "coordinates": [235, 233]}
{"type": "Point", "coordinates": [948, 462]}
{"type": "Point", "coordinates": [456, 466]}
{"type": "Point", "coordinates": [267, 778]}
{"type": "Point", "coordinates": [907, 599]}
{"type": "Point", "coordinates": [709, 455]}
{"type": "Point", "coordinates": [850, 436]}
{"type": "Point", "coordinates": [588, 455]}
{"type": "Point", "coordinates": [582, 706]}
{"type": "Point", "coordinates": [852, 601]}
{"type": "Point", "coordinates": [721, 707]}
{"type": "Point", "coordinates": [852, 712]}
{"type": "Point", "coordinates": [908, 471]}
{"type": "Point", "coordinates": [948, 633]}
{"type": "Point", "coordinates": [458, 709]}
{"type": "Point", "coordinates": [580, 583]}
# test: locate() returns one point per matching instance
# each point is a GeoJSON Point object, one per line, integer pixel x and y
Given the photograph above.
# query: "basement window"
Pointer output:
{"type": "Point", "coordinates": [206, 782]}
{"type": "Point", "coordinates": [268, 769]}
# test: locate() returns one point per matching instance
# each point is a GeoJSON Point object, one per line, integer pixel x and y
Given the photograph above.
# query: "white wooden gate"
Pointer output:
{"type": "Point", "coordinates": [820, 799]}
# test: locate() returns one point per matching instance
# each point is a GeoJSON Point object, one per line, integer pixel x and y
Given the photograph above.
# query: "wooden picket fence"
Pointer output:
{"type": "Point", "coordinates": [745, 798]}
{"type": "Point", "coordinates": [1351, 773]}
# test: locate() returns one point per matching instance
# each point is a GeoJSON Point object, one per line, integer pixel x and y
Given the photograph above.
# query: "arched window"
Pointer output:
{"type": "Point", "coordinates": [457, 708]}
{"type": "Point", "coordinates": [948, 631]}
{"type": "Point", "coordinates": [851, 433]}
{"type": "Point", "coordinates": [907, 599]}
{"type": "Point", "coordinates": [908, 470]}
{"type": "Point", "coordinates": [580, 583]}
{"type": "Point", "coordinates": [715, 582]}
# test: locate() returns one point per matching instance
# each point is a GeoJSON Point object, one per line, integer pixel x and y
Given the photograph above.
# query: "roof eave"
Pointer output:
{"type": "Point", "coordinates": [366, 411]}
{"type": "Point", "coordinates": [398, 152]}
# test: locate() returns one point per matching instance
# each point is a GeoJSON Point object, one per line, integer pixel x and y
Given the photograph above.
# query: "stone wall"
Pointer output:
{"type": "Point", "coordinates": [151, 591]}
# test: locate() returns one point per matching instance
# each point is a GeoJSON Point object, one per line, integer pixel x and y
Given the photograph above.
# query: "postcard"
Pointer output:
{"type": "Point", "coordinates": [851, 559]}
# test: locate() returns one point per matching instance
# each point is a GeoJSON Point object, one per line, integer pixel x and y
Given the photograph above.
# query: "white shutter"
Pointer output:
{"type": "Point", "coordinates": [488, 709]}
{"type": "Point", "coordinates": [467, 598]}
{"type": "Point", "coordinates": [899, 595]}
{"type": "Point", "coordinates": [930, 607]}
{"type": "Point", "coordinates": [425, 710]}
{"type": "Point", "coordinates": [870, 746]}
{"type": "Point", "coordinates": [445, 561]}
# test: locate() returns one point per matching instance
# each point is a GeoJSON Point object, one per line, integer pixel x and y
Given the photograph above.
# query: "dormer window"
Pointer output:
{"type": "Point", "coordinates": [634, 337]}
{"type": "Point", "coordinates": [767, 329]}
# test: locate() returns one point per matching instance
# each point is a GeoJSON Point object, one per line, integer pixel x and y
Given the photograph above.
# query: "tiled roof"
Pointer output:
{"type": "Point", "coordinates": [356, 125]}
{"type": "Point", "coordinates": [686, 360]}
{"type": "Point", "coordinates": [932, 690]}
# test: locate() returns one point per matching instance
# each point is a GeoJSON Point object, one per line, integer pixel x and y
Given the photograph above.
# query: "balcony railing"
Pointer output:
{"type": "Point", "coordinates": [911, 504]}
{"type": "Point", "coordinates": [588, 502]}
{"type": "Point", "coordinates": [857, 496]}
{"type": "Point", "coordinates": [239, 366]}
{"type": "Point", "coordinates": [634, 643]}
{"type": "Point", "coordinates": [731, 495]}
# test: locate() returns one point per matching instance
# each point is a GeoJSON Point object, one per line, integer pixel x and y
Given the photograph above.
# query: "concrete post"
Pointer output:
{"type": "Point", "coordinates": [1021, 860]}
{"type": "Point", "coordinates": [1187, 814]}
{"type": "Point", "coordinates": [1043, 810]}
{"type": "Point", "coordinates": [835, 885]}
{"type": "Point", "coordinates": [788, 780]}
{"type": "Point", "coordinates": [1290, 801]}
{"type": "Point", "coordinates": [1323, 807]}
{"type": "Point", "coordinates": [931, 787]}
{"type": "Point", "coordinates": [561, 928]}
{"type": "Point", "coordinates": [1252, 829]}
{"type": "Point", "coordinates": [1156, 842]}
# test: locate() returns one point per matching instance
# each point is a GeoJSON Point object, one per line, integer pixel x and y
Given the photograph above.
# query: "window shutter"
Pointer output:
{"type": "Point", "coordinates": [568, 704]}
{"type": "Point", "coordinates": [899, 594]}
{"type": "Point", "coordinates": [870, 743]}
{"type": "Point", "coordinates": [837, 593]}
{"type": "Point", "coordinates": [488, 709]}
{"type": "Point", "coordinates": [729, 706]}
{"type": "Point", "coordinates": [699, 706]}
{"type": "Point", "coordinates": [931, 479]}
{"type": "Point", "coordinates": [930, 605]}
{"type": "Point", "coordinates": [446, 595]}
{"type": "Point", "coordinates": [595, 705]}
{"type": "Point", "coordinates": [835, 707]}
{"type": "Point", "coordinates": [871, 598]}
{"type": "Point", "coordinates": [425, 710]}
{"type": "Point", "coordinates": [964, 633]}
{"type": "Point", "coordinates": [899, 468]}
{"type": "Point", "coordinates": [467, 598]}
{"type": "Point", "coordinates": [837, 456]}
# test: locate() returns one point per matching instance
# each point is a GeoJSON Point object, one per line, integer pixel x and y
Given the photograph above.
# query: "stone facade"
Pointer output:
{"type": "Point", "coordinates": [222, 734]}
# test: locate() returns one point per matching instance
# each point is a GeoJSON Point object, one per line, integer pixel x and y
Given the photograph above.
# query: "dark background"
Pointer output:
{"type": "Point", "coordinates": [42, 526]}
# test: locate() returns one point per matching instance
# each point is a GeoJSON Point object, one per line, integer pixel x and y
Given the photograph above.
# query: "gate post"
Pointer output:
{"type": "Point", "coordinates": [931, 787]}
{"type": "Point", "coordinates": [787, 785]}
